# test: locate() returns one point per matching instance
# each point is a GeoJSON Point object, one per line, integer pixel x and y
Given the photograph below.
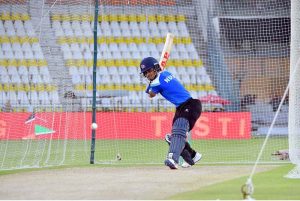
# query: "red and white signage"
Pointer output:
{"type": "Point", "coordinates": [122, 125]}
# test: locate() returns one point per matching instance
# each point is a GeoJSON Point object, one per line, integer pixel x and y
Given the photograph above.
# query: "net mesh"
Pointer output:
{"type": "Point", "coordinates": [232, 55]}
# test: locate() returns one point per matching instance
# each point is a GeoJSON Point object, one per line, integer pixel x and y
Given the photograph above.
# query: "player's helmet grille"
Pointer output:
{"type": "Point", "coordinates": [149, 63]}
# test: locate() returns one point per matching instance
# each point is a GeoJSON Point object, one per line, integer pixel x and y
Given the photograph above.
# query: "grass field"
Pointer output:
{"type": "Point", "coordinates": [269, 185]}
{"type": "Point", "coordinates": [37, 153]}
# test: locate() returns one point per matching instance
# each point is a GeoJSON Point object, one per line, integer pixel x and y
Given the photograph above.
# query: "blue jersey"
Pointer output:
{"type": "Point", "coordinates": [170, 88]}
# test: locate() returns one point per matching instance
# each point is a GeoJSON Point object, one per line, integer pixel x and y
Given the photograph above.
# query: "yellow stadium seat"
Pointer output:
{"type": "Point", "coordinates": [119, 62]}
{"type": "Point", "coordinates": [89, 63]}
{"type": "Point", "coordinates": [12, 62]}
{"type": "Point", "coordinates": [100, 62]}
{"type": "Point", "coordinates": [24, 39]}
{"type": "Point", "coordinates": [141, 18]}
{"type": "Point", "coordinates": [62, 40]}
{"type": "Point", "coordinates": [188, 62]}
{"type": "Point", "coordinates": [101, 40]}
{"type": "Point", "coordinates": [103, 18]}
{"type": "Point", "coordinates": [110, 39]}
{"type": "Point", "coordinates": [132, 18]}
{"type": "Point", "coordinates": [197, 63]}
{"type": "Point", "coordinates": [79, 62]}
{"type": "Point", "coordinates": [3, 62]}
{"type": "Point", "coordinates": [85, 18]}
{"type": "Point", "coordinates": [180, 18]}
{"type": "Point", "coordinates": [120, 39]}
{"type": "Point", "coordinates": [16, 16]}
{"type": "Point", "coordinates": [129, 40]}
{"type": "Point", "coordinates": [160, 18]}
{"type": "Point", "coordinates": [14, 39]}
{"type": "Point", "coordinates": [82, 40]}
{"type": "Point", "coordinates": [75, 17]}
{"type": "Point", "coordinates": [1, 87]}
{"type": "Point", "coordinates": [33, 40]}
{"type": "Point", "coordinates": [158, 40]}
{"type": "Point", "coordinates": [186, 40]}
{"type": "Point", "coordinates": [56, 17]}
{"type": "Point", "coordinates": [40, 87]}
{"type": "Point", "coordinates": [66, 17]}
{"type": "Point", "coordinates": [112, 18]}
{"type": "Point", "coordinates": [42, 62]}
{"type": "Point", "coordinates": [26, 87]}
{"type": "Point", "coordinates": [5, 16]}
{"type": "Point", "coordinates": [31, 62]}
{"type": "Point", "coordinates": [122, 18]}
{"type": "Point", "coordinates": [109, 62]}
{"type": "Point", "coordinates": [4, 39]}
{"type": "Point", "coordinates": [25, 17]}
{"type": "Point", "coordinates": [152, 18]}
{"type": "Point", "coordinates": [22, 62]}
{"type": "Point", "coordinates": [170, 18]}
{"type": "Point", "coordinates": [177, 40]}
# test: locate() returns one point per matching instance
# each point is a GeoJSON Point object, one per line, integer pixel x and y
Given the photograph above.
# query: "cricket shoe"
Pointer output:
{"type": "Point", "coordinates": [197, 158]}
{"type": "Point", "coordinates": [171, 164]}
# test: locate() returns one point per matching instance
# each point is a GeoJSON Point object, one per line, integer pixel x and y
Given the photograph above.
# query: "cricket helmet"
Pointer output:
{"type": "Point", "coordinates": [149, 63]}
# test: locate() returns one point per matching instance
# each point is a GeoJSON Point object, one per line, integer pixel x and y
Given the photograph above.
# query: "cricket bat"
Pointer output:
{"type": "Point", "coordinates": [165, 54]}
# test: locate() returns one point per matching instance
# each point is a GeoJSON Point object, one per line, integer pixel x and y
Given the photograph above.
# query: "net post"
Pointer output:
{"type": "Point", "coordinates": [93, 138]}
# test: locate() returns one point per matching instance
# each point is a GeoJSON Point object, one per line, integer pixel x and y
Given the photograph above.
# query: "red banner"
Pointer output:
{"type": "Point", "coordinates": [121, 125]}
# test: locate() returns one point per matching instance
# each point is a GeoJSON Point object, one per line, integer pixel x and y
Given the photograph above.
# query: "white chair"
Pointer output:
{"type": "Point", "coordinates": [9, 54]}
{"type": "Point", "coordinates": [126, 55]}
{"type": "Point", "coordinates": [21, 32]}
{"type": "Point", "coordinates": [44, 98]}
{"type": "Point", "coordinates": [125, 79]}
{"type": "Point", "coordinates": [6, 47]}
{"type": "Point", "coordinates": [59, 32]}
{"type": "Point", "coordinates": [162, 26]}
{"type": "Point", "coordinates": [135, 33]}
{"type": "Point", "coordinates": [73, 70]}
{"type": "Point", "coordinates": [116, 32]}
{"type": "Point", "coordinates": [74, 47]}
{"type": "Point", "coordinates": [44, 71]}
{"type": "Point", "coordinates": [12, 96]}
{"type": "Point", "coordinates": [107, 55]}
{"type": "Point", "coordinates": [155, 33]}
{"type": "Point", "coordinates": [103, 47]}
{"type": "Point", "coordinates": [33, 70]}
{"type": "Point", "coordinates": [54, 98]}
{"type": "Point", "coordinates": [12, 70]}
{"type": "Point", "coordinates": [194, 55]}
{"type": "Point", "coordinates": [112, 70]}
{"type": "Point", "coordinates": [19, 54]}
{"type": "Point", "coordinates": [143, 26]}
{"type": "Point", "coordinates": [10, 31]}
{"type": "Point", "coordinates": [8, 24]}
{"type": "Point", "coordinates": [123, 70]}
{"type": "Point", "coordinates": [117, 55]}
{"type": "Point", "coordinates": [136, 55]}
{"type": "Point", "coordinates": [28, 25]}
{"type": "Point", "coordinates": [16, 47]}
{"type": "Point", "coordinates": [102, 70]}
{"type": "Point", "coordinates": [3, 70]}
{"type": "Point", "coordinates": [30, 32]}
{"type": "Point", "coordinates": [76, 79]}
{"type": "Point", "coordinates": [3, 97]}
{"type": "Point", "coordinates": [67, 54]}
{"type": "Point", "coordinates": [33, 98]}
{"type": "Point", "coordinates": [38, 55]}
{"type": "Point", "coordinates": [25, 79]}
{"type": "Point", "coordinates": [23, 70]}
{"type": "Point", "coordinates": [105, 79]}
{"type": "Point", "coordinates": [65, 47]}
{"type": "Point", "coordinates": [181, 71]}
{"type": "Point", "coordinates": [123, 47]}
{"type": "Point", "coordinates": [184, 55]}
{"type": "Point", "coordinates": [132, 47]}
{"type": "Point", "coordinates": [46, 79]}
{"type": "Point", "coordinates": [87, 55]}
{"type": "Point", "coordinates": [15, 79]}
{"type": "Point", "coordinates": [113, 47]}
{"type": "Point", "coordinates": [22, 98]}
{"type": "Point", "coordinates": [1, 55]}
{"type": "Point", "coordinates": [116, 79]}
{"type": "Point", "coordinates": [107, 32]}
{"type": "Point", "coordinates": [185, 79]}
{"type": "Point", "coordinates": [181, 47]}
{"type": "Point", "coordinates": [36, 79]}
{"type": "Point", "coordinates": [28, 54]}
{"type": "Point", "coordinates": [77, 55]}
{"type": "Point", "coordinates": [191, 70]}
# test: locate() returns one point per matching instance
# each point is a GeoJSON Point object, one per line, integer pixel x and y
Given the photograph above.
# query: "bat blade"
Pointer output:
{"type": "Point", "coordinates": [165, 54]}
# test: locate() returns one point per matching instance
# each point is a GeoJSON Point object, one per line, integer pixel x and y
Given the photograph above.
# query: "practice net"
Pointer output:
{"type": "Point", "coordinates": [232, 55]}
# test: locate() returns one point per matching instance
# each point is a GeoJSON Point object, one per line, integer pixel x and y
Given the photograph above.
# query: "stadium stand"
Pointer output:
{"type": "Point", "coordinates": [25, 78]}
